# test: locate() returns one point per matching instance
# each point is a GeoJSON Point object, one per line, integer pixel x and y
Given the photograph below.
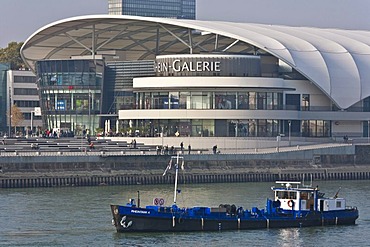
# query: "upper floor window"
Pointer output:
{"type": "Point", "coordinates": [24, 79]}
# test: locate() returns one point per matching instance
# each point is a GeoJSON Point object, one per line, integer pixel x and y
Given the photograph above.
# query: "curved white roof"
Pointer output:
{"type": "Point", "coordinates": [336, 61]}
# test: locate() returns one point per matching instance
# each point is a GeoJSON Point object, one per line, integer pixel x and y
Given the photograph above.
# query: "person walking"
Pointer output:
{"type": "Point", "coordinates": [214, 149]}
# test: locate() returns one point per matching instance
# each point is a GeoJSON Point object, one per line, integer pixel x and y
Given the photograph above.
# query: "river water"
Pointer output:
{"type": "Point", "coordinates": [80, 216]}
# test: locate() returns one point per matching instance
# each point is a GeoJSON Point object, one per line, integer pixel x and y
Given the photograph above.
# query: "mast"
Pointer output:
{"type": "Point", "coordinates": [177, 173]}
{"type": "Point", "coordinates": [176, 176]}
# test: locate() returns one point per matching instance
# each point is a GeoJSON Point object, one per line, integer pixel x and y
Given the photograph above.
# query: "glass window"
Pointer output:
{"type": "Point", "coordinates": [174, 100]}
{"type": "Point", "coordinates": [243, 101]}
{"type": "Point", "coordinates": [225, 101]}
{"type": "Point", "coordinates": [305, 102]}
{"type": "Point", "coordinates": [252, 100]}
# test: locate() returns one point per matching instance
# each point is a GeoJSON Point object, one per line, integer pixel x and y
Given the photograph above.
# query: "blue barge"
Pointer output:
{"type": "Point", "coordinates": [293, 205]}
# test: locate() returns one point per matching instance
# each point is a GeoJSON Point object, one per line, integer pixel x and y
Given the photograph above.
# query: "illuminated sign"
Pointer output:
{"type": "Point", "coordinates": [197, 66]}
{"type": "Point", "coordinates": [61, 105]}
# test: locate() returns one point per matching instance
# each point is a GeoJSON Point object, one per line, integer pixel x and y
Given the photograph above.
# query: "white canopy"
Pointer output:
{"type": "Point", "coordinates": [336, 61]}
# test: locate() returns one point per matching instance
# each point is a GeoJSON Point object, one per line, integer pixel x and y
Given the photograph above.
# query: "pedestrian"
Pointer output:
{"type": "Point", "coordinates": [182, 146]}
{"type": "Point", "coordinates": [134, 143]}
{"type": "Point", "coordinates": [214, 149]}
{"type": "Point", "coordinates": [189, 148]}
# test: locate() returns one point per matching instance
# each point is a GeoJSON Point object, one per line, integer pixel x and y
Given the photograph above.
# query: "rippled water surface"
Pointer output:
{"type": "Point", "coordinates": [80, 216]}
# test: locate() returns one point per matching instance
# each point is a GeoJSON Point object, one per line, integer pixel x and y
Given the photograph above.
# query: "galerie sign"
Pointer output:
{"type": "Point", "coordinates": [182, 66]}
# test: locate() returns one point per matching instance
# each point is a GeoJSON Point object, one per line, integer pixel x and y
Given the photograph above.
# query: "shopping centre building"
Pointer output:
{"type": "Point", "coordinates": [151, 76]}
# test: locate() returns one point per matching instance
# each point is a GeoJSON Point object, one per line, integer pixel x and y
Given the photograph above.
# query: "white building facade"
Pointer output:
{"type": "Point", "coordinates": [23, 93]}
{"type": "Point", "coordinates": [216, 79]}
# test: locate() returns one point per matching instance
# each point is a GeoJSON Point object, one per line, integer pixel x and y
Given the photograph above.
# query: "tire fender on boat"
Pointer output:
{"type": "Point", "coordinates": [291, 203]}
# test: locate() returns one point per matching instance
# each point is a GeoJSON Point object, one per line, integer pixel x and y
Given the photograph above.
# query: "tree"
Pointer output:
{"type": "Point", "coordinates": [16, 117]}
{"type": "Point", "coordinates": [12, 55]}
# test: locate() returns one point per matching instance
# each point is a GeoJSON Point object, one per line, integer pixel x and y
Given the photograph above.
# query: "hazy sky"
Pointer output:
{"type": "Point", "coordinates": [21, 18]}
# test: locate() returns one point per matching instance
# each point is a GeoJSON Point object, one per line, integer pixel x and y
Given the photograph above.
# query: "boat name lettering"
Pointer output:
{"type": "Point", "coordinates": [140, 212]}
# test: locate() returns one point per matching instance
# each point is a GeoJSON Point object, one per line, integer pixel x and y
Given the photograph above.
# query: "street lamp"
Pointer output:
{"type": "Point", "coordinates": [37, 112]}
{"type": "Point", "coordinates": [236, 136]}
{"type": "Point", "coordinates": [32, 112]}
{"type": "Point", "coordinates": [10, 112]}
{"type": "Point", "coordinates": [289, 131]}
{"type": "Point", "coordinates": [368, 131]}
{"type": "Point", "coordinates": [162, 137]}
{"type": "Point", "coordinates": [89, 113]}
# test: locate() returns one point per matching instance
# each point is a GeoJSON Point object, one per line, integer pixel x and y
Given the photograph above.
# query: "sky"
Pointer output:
{"type": "Point", "coordinates": [21, 18]}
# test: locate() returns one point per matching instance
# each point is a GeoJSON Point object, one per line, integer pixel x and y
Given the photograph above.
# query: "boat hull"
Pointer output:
{"type": "Point", "coordinates": [127, 219]}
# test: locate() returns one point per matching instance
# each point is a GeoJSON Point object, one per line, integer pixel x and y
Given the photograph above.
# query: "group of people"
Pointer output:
{"type": "Point", "coordinates": [171, 151]}
{"type": "Point", "coordinates": [165, 150]}
{"type": "Point", "coordinates": [133, 143]}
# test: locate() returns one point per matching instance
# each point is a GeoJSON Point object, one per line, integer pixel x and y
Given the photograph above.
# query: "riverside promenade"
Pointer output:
{"type": "Point", "coordinates": [70, 162]}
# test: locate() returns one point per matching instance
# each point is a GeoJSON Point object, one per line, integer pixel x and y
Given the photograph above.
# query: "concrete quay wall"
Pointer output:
{"type": "Point", "coordinates": [336, 163]}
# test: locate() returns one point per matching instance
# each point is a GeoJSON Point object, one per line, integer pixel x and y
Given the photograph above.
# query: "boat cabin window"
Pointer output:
{"type": "Point", "coordinates": [339, 204]}
{"type": "Point", "coordinates": [304, 195]}
{"type": "Point", "coordinates": [286, 194]}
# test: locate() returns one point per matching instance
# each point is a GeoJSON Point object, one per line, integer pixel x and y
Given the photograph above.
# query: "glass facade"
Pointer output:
{"type": "Point", "coordinates": [206, 100]}
{"type": "Point", "coordinates": [72, 99]}
{"type": "Point", "coordinates": [118, 82]}
{"type": "Point", "coordinates": [180, 9]}
{"type": "Point", "coordinates": [71, 94]}
{"type": "Point", "coordinates": [202, 128]}
{"type": "Point", "coordinates": [225, 128]}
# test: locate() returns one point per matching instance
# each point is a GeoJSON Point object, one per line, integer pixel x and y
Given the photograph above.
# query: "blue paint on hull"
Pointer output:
{"type": "Point", "coordinates": [173, 219]}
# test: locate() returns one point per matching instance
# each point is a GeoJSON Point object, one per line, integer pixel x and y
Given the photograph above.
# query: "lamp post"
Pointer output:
{"type": "Point", "coordinates": [289, 131]}
{"type": "Point", "coordinates": [162, 137]}
{"type": "Point", "coordinates": [10, 112]}
{"type": "Point", "coordinates": [89, 114]}
{"type": "Point", "coordinates": [368, 131]}
{"type": "Point", "coordinates": [236, 144]}
{"type": "Point", "coordinates": [278, 142]}
{"type": "Point", "coordinates": [32, 112]}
